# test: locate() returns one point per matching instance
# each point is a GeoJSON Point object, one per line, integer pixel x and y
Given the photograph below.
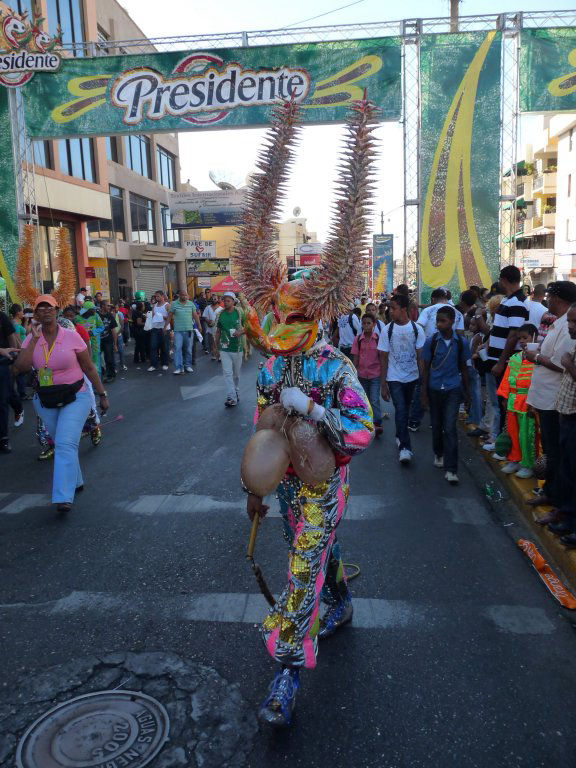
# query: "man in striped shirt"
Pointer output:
{"type": "Point", "coordinates": [503, 342]}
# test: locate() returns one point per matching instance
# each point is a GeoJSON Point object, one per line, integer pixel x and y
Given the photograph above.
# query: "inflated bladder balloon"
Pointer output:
{"type": "Point", "coordinates": [310, 455]}
{"type": "Point", "coordinates": [265, 461]}
{"type": "Point", "coordinates": [274, 417]}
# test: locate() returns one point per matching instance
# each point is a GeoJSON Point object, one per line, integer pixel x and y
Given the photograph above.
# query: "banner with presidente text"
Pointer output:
{"type": "Point", "coordinates": [548, 70]}
{"type": "Point", "coordinates": [460, 159]}
{"type": "Point", "coordinates": [221, 88]}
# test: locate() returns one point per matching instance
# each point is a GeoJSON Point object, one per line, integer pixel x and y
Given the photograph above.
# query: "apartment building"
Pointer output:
{"type": "Point", "coordinates": [563, 129]}
{"type": "Point", "coordinates": [111, 192]}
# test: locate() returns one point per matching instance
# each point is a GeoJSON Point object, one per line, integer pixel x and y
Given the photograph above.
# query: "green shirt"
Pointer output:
{"type": "Point", "coordinates": [20, 330]}
{"type": "Point", "coordinates": [183, 315]}
{"type": "Point", "coordinates": [226, 322]}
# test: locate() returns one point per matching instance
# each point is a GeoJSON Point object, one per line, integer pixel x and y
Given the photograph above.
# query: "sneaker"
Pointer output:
{"type": "Point", "coordinates": [439, 462]}
{"type": "Point", "coordinates": [498, 457]}
{"type": "Point", "coordinates": [230, 403]}
{"type": "Point", "coordinates": [537, 491]}
{"type": "Point", "coordinates": [124, 367]}
{"type": "Point", "coordinates": [95, 435]}
{"type": "Point", "coordinates": [46, 453]}
{"type": "Point", "coordinates": [413, 427]}
{"type": "Point", "coordinates": [19, 419]}
{"type": "Point", "coordinates": [452, 478]}
{"type": "Point", "coordinates": [489, 446]}
{"type": "Point", "coordinates": [152, 368]}
{"type": "Point", "coordinates": [277, 708]}
{"type": "Point", "coordinates": [510, 468]}
{"type": "Point", "coordinates": [189, 369]}
{"type": "Point", "coordinates": [334, 618]}
{"type": "Point", "coordinates": [524, 473]}
{"type": "Point", "coordinates": [164, 367]}
{"type": "Point", "coordinates": [405, 456]}
{"type": "Point", "coordinates": [178, 372]}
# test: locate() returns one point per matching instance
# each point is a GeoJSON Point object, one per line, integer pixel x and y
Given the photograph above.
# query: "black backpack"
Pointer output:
{"type": "Point", "coordinates": [351, 324]}
{"type": "Point", "coordinates": [414, 328]}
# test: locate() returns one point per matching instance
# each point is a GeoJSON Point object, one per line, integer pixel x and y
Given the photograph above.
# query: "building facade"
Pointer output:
{"type": "Point", "coordinates": [111, 192]}
{"type": "Point", "coordinates": [563, 129]}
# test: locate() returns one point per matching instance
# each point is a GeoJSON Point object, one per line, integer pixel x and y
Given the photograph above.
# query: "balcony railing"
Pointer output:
{"type": "Point", "coordinates": [538, 182]}
{"type": "Point", "coordinates": [520, 189]}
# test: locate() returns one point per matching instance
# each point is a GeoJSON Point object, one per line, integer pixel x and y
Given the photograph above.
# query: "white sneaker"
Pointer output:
{"type": "Point", "coordinates": [498, 457]}
{"type": "Point", "coordinates": [19, 420]}
{"type": "Point", "coordinates": [510, 468]}
{"type": "Point", "coordinates": [189, 369]}
{"type": "Point", "coordinates": [124, 367]}
{"type": "Point", "coordinates": [439, 461]}
{"type": "Point", "coordinates": [164, 367]}
{"type": "Point", "coordinates": [524, 473]}
{"type": "Point", "coordinates": [151, 368]}
{"type": "Point", "coordinates": [405, 456]}
{"type": "Point", "coordinates": [452, 478]}
{"type": "Point", "coordinates": [178, 372]}
{"type": "Point", "coordinates": [489, 446]}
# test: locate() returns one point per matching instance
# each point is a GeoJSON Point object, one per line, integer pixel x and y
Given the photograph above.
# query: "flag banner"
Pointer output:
{"type": "Point", "coordinates": [460, 160]}
{"type": "Point", "coordinates": [382, 264]}
{"type": "Point", "coordinates": [548, 70]}
{"type": "Point", "coordinates": [220, 88]}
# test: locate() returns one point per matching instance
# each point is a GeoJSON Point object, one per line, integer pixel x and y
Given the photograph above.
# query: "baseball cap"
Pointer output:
{"type": "Point", "coordinates": [46, 298]}
{"type": "Point", "coordinates": [230, 294]}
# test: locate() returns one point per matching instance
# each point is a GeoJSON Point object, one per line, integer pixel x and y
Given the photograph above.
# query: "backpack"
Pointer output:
{"type": "Point", "coordinates": [351, 324]}
{"type": "Point", "coordinates": [414, 328]}
{"type": "Point", "coordinates": [459, 342]}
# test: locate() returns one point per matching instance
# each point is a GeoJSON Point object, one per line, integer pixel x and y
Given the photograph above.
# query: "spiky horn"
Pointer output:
{"type": "Point", "coordinates": [255, 249]}
{"type": "Point", "coordinates": [329, 291]}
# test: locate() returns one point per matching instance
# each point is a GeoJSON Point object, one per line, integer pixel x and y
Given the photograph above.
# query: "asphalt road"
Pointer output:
{"type": "Point", "coordinates": [457, 657]}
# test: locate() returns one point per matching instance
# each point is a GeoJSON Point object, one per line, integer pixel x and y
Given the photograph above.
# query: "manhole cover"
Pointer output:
{"type": "Point", "coordinates": [107, 728]}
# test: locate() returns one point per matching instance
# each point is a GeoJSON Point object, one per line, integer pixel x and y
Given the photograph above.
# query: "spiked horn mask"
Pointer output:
{"type": "Point", "coordinates": [298, 306]}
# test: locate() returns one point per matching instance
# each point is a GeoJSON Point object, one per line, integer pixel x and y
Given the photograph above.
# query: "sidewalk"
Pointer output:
{"type": "Point", "coordinates": [520, 491]}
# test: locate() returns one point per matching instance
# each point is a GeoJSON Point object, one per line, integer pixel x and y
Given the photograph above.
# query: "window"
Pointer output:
{"type": "Point", "coordinates": [67, 14]}
{"type": "Point", "coordinates": [48, 253]}
{"type": "Point", "coordinates": [170, 236]}
{"type": "Point", "coordinates": [77, 158]}
{"type": "Point", "coordinates": [142, 217]}
{"type": "Point", "coordinates": [111, 149]}
{"type": "Point", "coordinates": [117, 207]}
{"type": "Point", "coordinates": [41, 154]}
{"type": "Point", "coordinates": [22, 6]}
{"type": "Point", "coordinates": [166, 167]}
{"type": "Point", "coordinates": [102, 44]}
{"type": "Point", "coordinates": [138, 154]}
{"type": "Point", "coordinates": [100, 229]}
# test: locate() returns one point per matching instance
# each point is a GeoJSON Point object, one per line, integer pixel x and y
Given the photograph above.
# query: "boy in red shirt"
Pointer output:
{"type": "Point", "coordinates": [366, 359]}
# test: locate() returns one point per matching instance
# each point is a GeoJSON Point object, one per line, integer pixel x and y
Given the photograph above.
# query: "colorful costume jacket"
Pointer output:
{"type": "Point", "coordinates": [311, 514]}
{"type": "Point", "coordinates": [514, 387]}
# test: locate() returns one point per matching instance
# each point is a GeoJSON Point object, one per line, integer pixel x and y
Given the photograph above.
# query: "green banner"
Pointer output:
{"type": "Point", "coordinates": [223, 88]}
{"type": "Point", "coordinates": [460, 162]}
{"type": "Point", "coordinates": [8, 209]}
{"type": "Point", "coordinates": [548, 70]}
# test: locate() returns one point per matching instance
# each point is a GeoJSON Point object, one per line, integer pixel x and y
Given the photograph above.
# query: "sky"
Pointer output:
{"type": "Point", "coordinates": [233, 152]}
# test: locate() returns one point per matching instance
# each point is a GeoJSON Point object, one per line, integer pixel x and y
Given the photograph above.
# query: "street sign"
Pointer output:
{"type": "Point", "coordinates": [200, 249]}
{"type": "Point", "coordinates": [309, 254]}
{"type": "Point", "coordinates": [220, 208]}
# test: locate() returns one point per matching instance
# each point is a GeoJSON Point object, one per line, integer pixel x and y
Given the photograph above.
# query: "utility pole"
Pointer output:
{"type": "Point", "coordinates": [454, 15]}
{"type": "Point", "coordinates": [381, 222]}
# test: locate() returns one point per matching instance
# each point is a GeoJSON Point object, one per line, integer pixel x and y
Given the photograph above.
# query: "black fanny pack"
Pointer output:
{"type": "Point", "coordinates": [59, 395]}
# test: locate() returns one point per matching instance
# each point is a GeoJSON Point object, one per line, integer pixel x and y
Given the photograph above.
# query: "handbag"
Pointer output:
{"type": "Point", "coordinates": [59, 395]}
{"type": "Point", "coordinates": [148, 322]}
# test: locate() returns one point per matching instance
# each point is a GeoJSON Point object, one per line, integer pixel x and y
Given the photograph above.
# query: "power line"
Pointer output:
{"type": "Point", "coordinates": [327, 13]}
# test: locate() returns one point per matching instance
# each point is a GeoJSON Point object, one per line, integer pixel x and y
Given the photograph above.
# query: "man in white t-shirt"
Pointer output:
{"type": "Point", "coordinates": [401, 368]}
{"type": "Point", "coordinates": [160, 336]}
{"type": "Point", "coordinates": [535, 306]}
{"type": "Point", "coordinates": [80, 298]}
{"type": "Point", "coordinates": [349, 326]}
{"type": "Point", "coordinates": [427, 318]}
{"type": "Point", "coordinates": [210, 316]}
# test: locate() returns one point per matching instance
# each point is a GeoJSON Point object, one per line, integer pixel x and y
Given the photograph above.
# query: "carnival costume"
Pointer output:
{"type": "Point", "coordinates": [520, 423]}
{"type": "Point", "coordinates": [311, 409]}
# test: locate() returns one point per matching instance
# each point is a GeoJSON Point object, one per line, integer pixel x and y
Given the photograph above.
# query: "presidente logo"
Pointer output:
{"type": "Point", "coordinates": [203, 89]}
{"type": "Point", "coordinates": [25, 48]}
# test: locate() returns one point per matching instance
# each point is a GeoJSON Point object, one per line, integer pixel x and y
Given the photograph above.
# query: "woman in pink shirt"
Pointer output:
{"type": "Point", "coordinates": [367, 361]}
{"type": "Point", "coordinates": [62, 400]}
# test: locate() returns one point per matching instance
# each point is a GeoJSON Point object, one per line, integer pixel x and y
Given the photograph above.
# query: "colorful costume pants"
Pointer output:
{"type": "Point", "coordinates": [311, 516]}
{"type": "Point", "coordinates": [522, 433]}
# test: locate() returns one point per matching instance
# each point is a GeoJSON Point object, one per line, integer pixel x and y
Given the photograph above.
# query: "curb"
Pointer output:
{"type": "Point", "coordinates": [519, 491]}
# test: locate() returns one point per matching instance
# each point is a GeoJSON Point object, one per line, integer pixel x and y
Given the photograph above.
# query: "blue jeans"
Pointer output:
{"type": "Point", "coordinates": [372, 389]}
{"type": "Point", "coordinates": [402, 394]}
{"type": "Point", "coordinates": [444, 407]}
{"type": "Point", "coordinates": [5, 384]}
{"type": "Point", "coordinates": [416, 410]}
{"type": "Point", "coordinates": [120, 347]}
{"type": "Point", "coordinates": [159, 347]}
{"type": "Point", "coordinates": [475, 414]}
{"type": "Point", "coordinates": [64, 425]}
{"type": "Point", "coordinates": [182, 344]}
{"type": "Point", "coordinates": [491, 389]}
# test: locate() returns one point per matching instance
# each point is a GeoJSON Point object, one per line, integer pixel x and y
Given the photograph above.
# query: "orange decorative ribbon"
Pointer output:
{"type": "Point", "coordinates": [547, 575]}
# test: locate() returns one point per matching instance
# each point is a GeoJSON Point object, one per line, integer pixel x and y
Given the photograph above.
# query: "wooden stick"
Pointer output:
{"type": "Point", "coordinates": [253, 533]}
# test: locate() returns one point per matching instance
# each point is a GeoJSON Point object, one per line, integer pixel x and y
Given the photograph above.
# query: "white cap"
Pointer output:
{"type": "Point", "coordinates": [230, 294]}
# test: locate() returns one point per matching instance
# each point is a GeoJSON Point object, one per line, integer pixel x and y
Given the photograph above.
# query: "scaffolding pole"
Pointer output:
{"type": "Point", "coordinates": [411, 123]}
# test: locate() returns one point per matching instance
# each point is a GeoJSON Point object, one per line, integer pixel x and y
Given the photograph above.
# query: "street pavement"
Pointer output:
{"type": "Point", "coordinates": [457, 655]}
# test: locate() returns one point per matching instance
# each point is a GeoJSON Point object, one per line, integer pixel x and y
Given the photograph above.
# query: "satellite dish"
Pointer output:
{"type": "Point", "coordinates": [224, 179]}
{"type": "Point", "coordinates": [297, 211]}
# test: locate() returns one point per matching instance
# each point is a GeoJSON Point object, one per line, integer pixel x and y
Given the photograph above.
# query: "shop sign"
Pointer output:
{"type": "Point", "coordinates": [25, 49]}
{"type": "Point", "coordinates": [200, 249]}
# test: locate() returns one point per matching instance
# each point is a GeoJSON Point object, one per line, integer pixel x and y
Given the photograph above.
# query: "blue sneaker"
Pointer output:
{"type": "Point", "coordinates": [278, 706]}
{"type": "Point", "coordinates": [334, 618]}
